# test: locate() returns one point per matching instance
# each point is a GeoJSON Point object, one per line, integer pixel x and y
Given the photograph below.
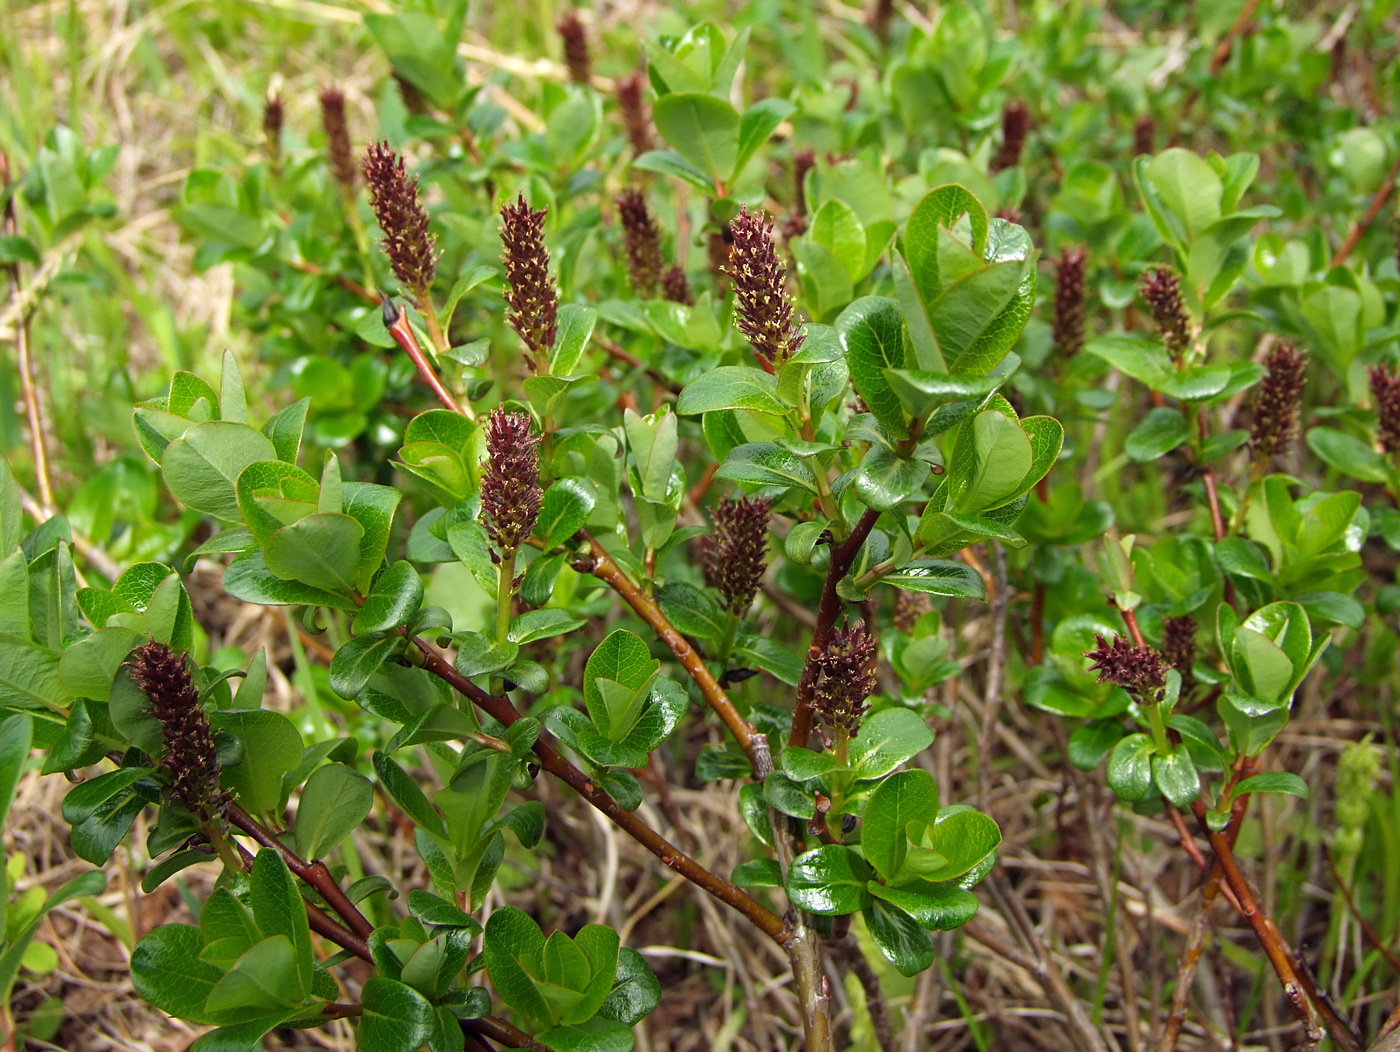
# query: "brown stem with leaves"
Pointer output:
{"type": "Point", "coordinates": [553, 761]}
{"type": "Point", "coordinates": [1295, 987]}
{"type": "Point", "coordinates": [315, 874]}
{"type": "Point", "coordinates": [349, 284]}
{"type": "Point", "coordinates": [803, 949]}
{"type": "Point", "coordinates": [1218, 58]}
{"type": "Point", "coordinates": [1377, 203]}
{"type": "Point", "coordinates": [497, 1030]}
{"type": "Point", "coordinates": [602, 567]}
{"type": "Point", "coordinates": [842, 556]}
{"type": "Point", "coordinates": [616, 350]}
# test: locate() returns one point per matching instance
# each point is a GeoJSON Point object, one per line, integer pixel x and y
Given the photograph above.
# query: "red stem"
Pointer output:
{"type": "Point", "coordinates": [556, 764]}
{"type": "Point", "coordinates": [397, 324]}
{"type": "Point", "coordinates": [313, 873]}
{"type": "Point", "coordinates": [1377, 203]}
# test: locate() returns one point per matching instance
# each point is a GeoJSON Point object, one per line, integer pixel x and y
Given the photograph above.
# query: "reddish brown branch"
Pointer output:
{"type": "Point", "coordinates": [1295, 987]}
{"type": "Point", "coordinates": [350, 285]}
{"type": "Point", "coordinates": [1217, 520]}
{"type": "Point", "coordinates": [1377, 203]}
{"type": "Point", "coordinates": [497, 1030]}
{"type": "Point", "coordinates": [396, 321]}
{"type": "Point", "coordinates": [314, 874]}
{"type": "Point", "coordinates": [556, 764]}
{"type": "Point", "coordinates": [316, 919]}
{"type": "Point", "coordinates": [602, 567]}
{"type": "Point", "coordinates": [24, 356]}
{"type": "Point", "coordinates": [1222, 52]}
{"type": "Point", "coordinates": [617, 351]}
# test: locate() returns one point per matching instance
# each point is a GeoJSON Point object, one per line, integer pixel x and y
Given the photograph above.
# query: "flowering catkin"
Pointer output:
{"type": "Point", "coordinates": [642, 241]}
{"type": "Point", "coordinates": [531, 297]}
{"type": "Point", "coordinates": [510, 484]}
{"type": "Point", "coordinates": [1015, 122]}
{"type": "Point", "coordinates": [1275, 423]}
{"type": "Point", "coordinates": [1385, 392]}
{"type": "Point", "coordinates": [1179, 649]}
{"type": "Point", "coordinates": [273, 116]}
{"type": "Point", "coordinates": [763, 309]}
{"type": "Point", "coordinates": [191, 759]}
{"type": "Point", "coordinates": [1139, 670]}
{"type": "Point", "coordinates": [571, 32]}
{"type": "Point", "coordinates": [634, 112]}
{"type": "Point", "coordinates": [337, 128]}
{"type": "Point", "coordinates": [845, 679]}
{"type": "Point", "coordinates": [737, 555]}
{"type": "Point", "coordinates": [1161, 290]}
{"type": "Point", "coordinates": [394, 197]}
{"type": "Point", "coordinates": [1069, 301]}
{"type": "Point", "coordinates": [675, 286]}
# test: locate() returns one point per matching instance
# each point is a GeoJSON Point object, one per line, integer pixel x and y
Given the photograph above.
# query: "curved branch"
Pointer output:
{"type": "Point", "coordinates": [601, 566]}
{"type": "Point", "coordinates": [314, 874]}
{"type": "Point", "coordinates": [553, 761]}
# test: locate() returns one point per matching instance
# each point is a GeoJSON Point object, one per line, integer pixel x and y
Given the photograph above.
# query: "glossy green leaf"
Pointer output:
{"type": "Point", "coordinates": [766, 464]}
{"type": "Point", "coordinates": [872, 332]}
{"type": "Point", "coordinates": [886, 740]}
{"type": "Point", "coordinates": [829, 880]}
{"type": "Point", "coordinates": [249, 579]}
{"type": "Point", "coordinates": [396, 1017]}
{"type": "Point", "coordinates": [167, 972]}
{"type": "Point", "coordinates": [616, 681]}
{"type": "Point", "coordinates": [278, 909]}
{"type": "Point", "coordinates": [372, 506]}
{"type": "Point", "coordinates": [1130, 768]}
{"type": "Point", "coordinates": [576, 323]}
{"type": "Point", "coordinates": [265, 977]}
{"type": "Point", "coordinates": [938, 907]}
{"type": "Point", "coordinates": [898, 800]}
{"type": "Point", "coordinates": [319, 550]}
{"type": "Point", "coordinates": [668, 162]}
{"type": "Point", "coordinates": [884, 480]}
{"type": "Point", "coordinates": [758, 123]}
{"type": "Point", "coordinates": [731, 387]}
{"type": "Point", "coordinates": [359, 659]}
{"type": "Point", "coordinates": [938, 577]}
{"type": "Point", "coordinates": [692, 611]}
{"type": "Point", "coordinates": [541, 624]}
{"type": "Point", "coordinates": [271, 746]}
{"type": "Point", "coordinates": [635, 991]}
{"type": "Point", "coordinates": [15, 737]}
{"type": "Point", "coordinates": [564, 511]}
{"type": "Point", "coordinates": [513, 948]}
{"type": "Point", "coordinates": [1275, 782]}
{"type": "Point", "coordinates": [965, 838]}
{"type": "Point", "coordinates": [1161, 431]}
{"type": "Point", "coordinates": [1347, 454]}
{"type": "Point", "coordinates": [1175, 775]}
{"type": "Point", "coordinates": [902, 939]}
{"type": "Point", "coordinates": [394, 600]}
{"type": "Point", "coordinates": [406, 793]}
{"type": "Point", "coordinates": [333, 802]}
{"type": "Point", "coordinates": [1001, 459]}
